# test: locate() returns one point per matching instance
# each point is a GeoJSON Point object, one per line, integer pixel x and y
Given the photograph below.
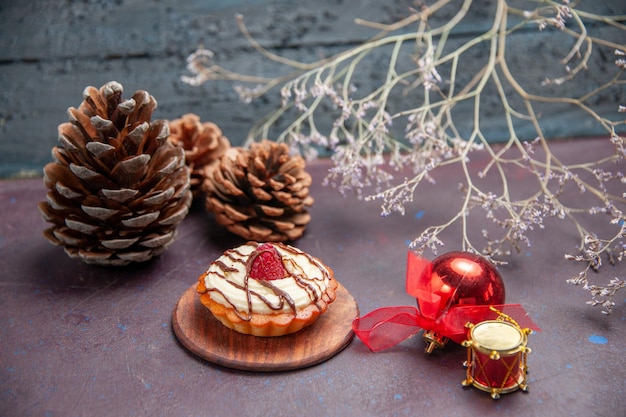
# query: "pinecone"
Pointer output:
{"type": "Point", "coordinates": [260, 193]}
{"type": "Point", "coordinates": [117, 188]}
{"type": "Point", "coordinates": [203, 143]}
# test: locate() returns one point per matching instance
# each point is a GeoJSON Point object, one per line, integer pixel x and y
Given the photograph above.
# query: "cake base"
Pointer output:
{"type": "Point", "coordinates": [201, 333]}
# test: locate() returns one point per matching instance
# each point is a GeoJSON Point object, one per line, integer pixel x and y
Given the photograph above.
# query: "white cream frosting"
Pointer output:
{"type": "Point", "coordinates": [227, 283]}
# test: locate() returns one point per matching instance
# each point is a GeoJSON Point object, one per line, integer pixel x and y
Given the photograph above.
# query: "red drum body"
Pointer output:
{"type": "Point", "coordinates": [496, 357]}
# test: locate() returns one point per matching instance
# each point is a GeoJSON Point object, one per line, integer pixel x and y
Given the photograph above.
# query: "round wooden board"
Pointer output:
{"type": "Point", "coordinates": [202, 334]}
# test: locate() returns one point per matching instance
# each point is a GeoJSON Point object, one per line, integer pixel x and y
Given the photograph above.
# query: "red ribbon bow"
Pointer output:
{"type": "Point", "coordinates": [387, 326]}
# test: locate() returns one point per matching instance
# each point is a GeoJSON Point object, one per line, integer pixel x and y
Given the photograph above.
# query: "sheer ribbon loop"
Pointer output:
{"type": "Point", "coordinates": [387, 326]}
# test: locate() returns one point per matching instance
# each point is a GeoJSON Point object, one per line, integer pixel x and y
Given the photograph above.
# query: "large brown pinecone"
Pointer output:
{"type": "Point", "coordinates": [117, 188]}
{"type": "Point", "coordinates": [260, 193]}
{"type": "Point", "coordinates": [203, 143]}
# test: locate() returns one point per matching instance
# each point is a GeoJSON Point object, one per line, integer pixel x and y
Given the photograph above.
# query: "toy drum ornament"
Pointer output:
{"type": "Point", "coordinates": [497, 356]}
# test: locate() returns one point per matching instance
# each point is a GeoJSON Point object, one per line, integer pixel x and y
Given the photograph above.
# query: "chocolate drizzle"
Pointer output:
{"type": "Point", "coordinates": [225, 267]}
{"type": "Point", "coordinates": [313, 286]}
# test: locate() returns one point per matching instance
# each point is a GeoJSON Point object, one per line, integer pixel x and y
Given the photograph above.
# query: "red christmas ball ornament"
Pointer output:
{"type": "Point", "coordinates": [455, 279]}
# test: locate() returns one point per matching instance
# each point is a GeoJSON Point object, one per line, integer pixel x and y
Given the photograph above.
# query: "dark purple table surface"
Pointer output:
{"type": "Point", "coordinates": [79, 340]}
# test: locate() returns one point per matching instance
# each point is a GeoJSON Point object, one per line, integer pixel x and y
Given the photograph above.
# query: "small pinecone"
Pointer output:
{"type": "Point", "coordinates": [203, 143]}
{"type": "Point", "coordinates": [260, 193]}
{"type": "Point", "coordinates": [117, 189]}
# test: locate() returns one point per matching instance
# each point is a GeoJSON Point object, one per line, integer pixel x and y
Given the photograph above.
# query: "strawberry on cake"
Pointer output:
{"type": "Point", "coordinates": [268, 289]}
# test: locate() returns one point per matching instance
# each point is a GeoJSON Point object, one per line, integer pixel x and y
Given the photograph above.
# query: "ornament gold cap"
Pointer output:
{"type": "Point", "coordinates": [433, 341]}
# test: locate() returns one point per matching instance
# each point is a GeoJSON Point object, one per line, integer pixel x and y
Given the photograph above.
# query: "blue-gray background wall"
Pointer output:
{"type": "Point", "coordinates": [50, 50]}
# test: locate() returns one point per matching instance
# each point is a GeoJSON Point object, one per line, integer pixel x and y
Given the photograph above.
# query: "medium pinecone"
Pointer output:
{"type": "Point", "coordinates": [260, 193]}
{"type": "Point", "coordinates": [117, 188]}
{"type": "Point", "coordinates": [203, 143]}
